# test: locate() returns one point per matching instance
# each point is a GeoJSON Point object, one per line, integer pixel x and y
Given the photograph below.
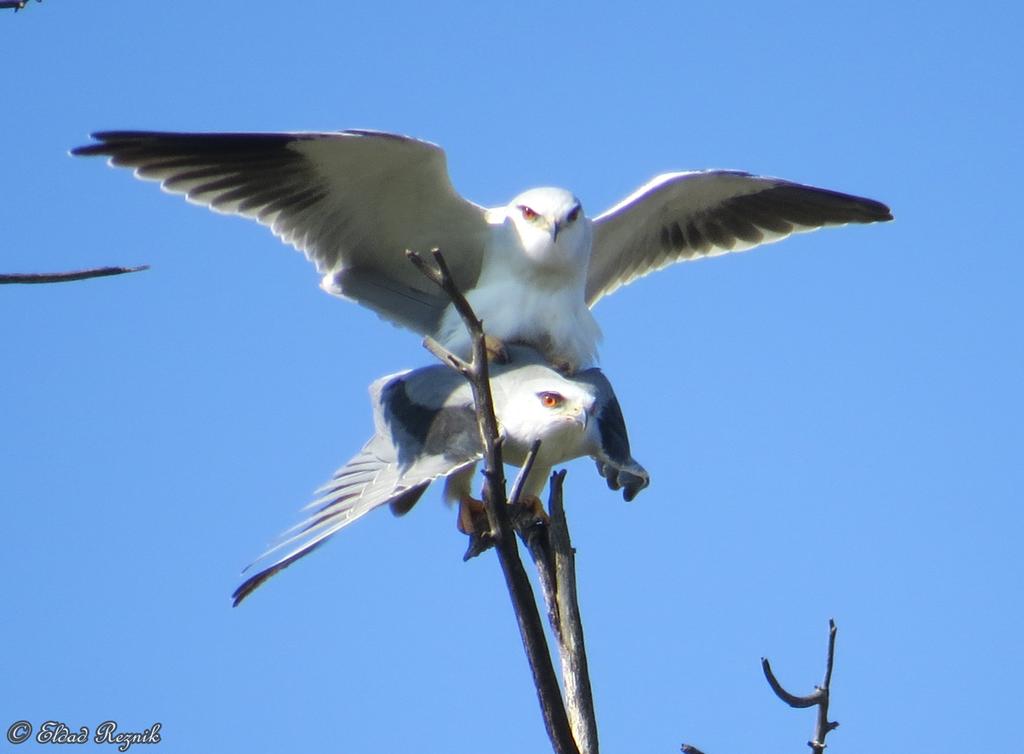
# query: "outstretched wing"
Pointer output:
{"type": "Point", "coordinates": [682, 216]}
{"type": "Point", "coordinates": [415, 444]}
{"type": "Point", "coordinates": [608, 439]}
{"type": "Point", "coordinates": [352, 201]}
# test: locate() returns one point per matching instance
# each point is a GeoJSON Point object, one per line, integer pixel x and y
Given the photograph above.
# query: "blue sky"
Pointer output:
{"type": "Point", "coordinates": [832, 424]}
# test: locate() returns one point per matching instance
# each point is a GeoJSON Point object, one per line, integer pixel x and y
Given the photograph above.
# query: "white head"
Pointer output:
{"type": "Point", "coordinates": [548, 408]}
{"type": "Point", "coordinates": [552, 228]}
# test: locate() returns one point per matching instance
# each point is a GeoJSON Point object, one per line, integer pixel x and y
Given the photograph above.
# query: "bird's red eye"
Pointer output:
{"type": "Point", "coordinates": [528, 213]}
{"type": "Point", "coordinates": [551, 400]}
{"type": "Point", "coordinates": [575, 213]}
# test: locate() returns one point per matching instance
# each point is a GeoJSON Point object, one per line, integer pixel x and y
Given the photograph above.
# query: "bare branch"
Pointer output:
{"type": "Point", "coordinates": [555, 560]}
{"type": "Point", "coordinates": [530, 627]}
{"type": "Point", "coordinates": [579, 697]}
{"type": "Point", "coordinates": [819, 697]}
{"type": "Point", "coordinates": [65, 277]}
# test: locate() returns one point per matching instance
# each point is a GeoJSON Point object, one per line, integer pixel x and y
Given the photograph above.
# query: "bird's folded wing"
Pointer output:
{"type": "Point", "coordinates": [352, 201]}
{"type": "Point", "coordinates": [425, 429]}
{"type": "Point", "coordinates": [608, 439]}
{"type": "Point", "coordinates": [683, 216]}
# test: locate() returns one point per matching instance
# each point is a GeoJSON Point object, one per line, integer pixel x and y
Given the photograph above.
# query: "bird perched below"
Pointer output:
{"type": "Point", "coordinates": [355, 201]}
{"type": "Point", "coordinates": [426, 429]}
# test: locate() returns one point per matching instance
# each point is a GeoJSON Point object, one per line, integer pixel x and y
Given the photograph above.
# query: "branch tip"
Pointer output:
{"type": "Point", "coordinates": [520, 482]}
{"type": "Point", "coordinates": [67, 277]}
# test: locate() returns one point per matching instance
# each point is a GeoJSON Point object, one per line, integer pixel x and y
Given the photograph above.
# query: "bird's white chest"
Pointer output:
{"type": "Point", "coordinates": [522, 303]}
{"type": "Point", "coordinates": [561, 441]}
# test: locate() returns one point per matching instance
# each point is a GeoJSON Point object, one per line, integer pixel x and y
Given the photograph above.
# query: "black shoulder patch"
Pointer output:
{"type": "Point", "coordinates": [415, 418]}
{"type": "Point", "coordinates": [451, 431]}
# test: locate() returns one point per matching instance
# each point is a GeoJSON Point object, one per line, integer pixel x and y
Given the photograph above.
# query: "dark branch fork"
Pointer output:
{"type": "Point", "coordinates": [819, 697]}
{"type": "Point", "coordinates": [496, 504]}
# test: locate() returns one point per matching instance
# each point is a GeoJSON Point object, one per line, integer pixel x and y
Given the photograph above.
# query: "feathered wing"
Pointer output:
{"type": "Point", "coordinates": [608, 440]}
{"type": "Point", "coordinates": [396, 466]}
{"type": "Point", "coordinates": [682, 216]}
{"type": "Point", "coordinates": [352, 201]}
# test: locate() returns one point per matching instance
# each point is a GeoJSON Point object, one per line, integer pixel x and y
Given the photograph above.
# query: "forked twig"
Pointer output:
{"type": "Point", "coordinates": [819, 697]}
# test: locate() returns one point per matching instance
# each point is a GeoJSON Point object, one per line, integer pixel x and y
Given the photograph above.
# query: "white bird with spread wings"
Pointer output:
{"type": "Point", "coordinates": [355, 201]}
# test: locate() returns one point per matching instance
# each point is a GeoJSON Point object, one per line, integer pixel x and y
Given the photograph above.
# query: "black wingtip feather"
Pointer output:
{"type": "Point", "coordinates": [154, 143]}
{"type": "Point", "coordinates": [250, 584]}
{"type": "Point", "coordinates": [830, 206]}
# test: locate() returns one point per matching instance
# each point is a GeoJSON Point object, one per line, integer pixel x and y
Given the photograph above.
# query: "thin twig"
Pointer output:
{"type": "Point", "coordinates": [530, 627]}
{"type": "Point", "coordinates": [819, 697]}
{"type": "Point", "coordinates": [524, 471]}
{"type": "Point", "coordinates": [66, 277]}
{"type": "Point", "coordinates": [446, 356]}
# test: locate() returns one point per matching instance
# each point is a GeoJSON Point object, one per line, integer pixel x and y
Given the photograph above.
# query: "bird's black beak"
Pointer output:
{"type": "Point", "coordinates": [555, 227]}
